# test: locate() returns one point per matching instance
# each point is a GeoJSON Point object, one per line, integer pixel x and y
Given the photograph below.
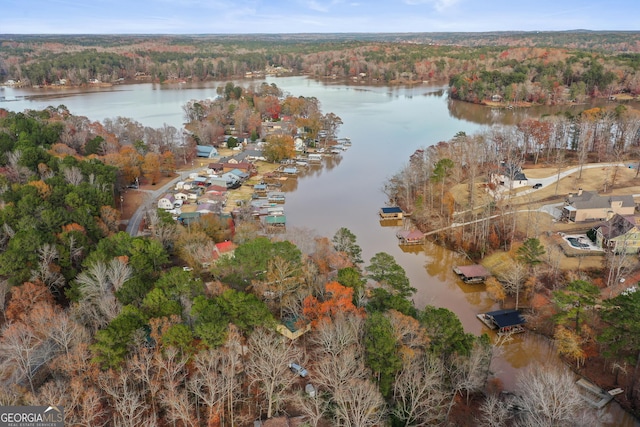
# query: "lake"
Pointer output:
{"type": "Point", "coordinates": [386, 125]}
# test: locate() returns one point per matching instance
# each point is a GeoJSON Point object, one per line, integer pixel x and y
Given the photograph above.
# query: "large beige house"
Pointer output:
{"type": "Point", "coordinates": [621, 234]}
{"type": "Point", "coordinates": [589, 206]}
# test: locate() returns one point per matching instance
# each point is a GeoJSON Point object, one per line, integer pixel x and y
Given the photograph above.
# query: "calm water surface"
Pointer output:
{"type": "Point", "coordinates": [385, 125]}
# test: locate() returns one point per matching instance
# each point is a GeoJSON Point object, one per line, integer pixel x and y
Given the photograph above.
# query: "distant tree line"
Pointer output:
{"type": "Point", "coordinates": [477, 69]}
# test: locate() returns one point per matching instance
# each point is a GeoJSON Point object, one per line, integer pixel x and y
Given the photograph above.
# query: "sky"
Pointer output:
{"type": "Point", "coordinates": [312, 16]}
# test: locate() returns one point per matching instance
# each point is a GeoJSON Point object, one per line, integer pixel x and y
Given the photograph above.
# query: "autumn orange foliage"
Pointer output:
{"type": "Point", "coordinates": [339, 300]}
{"type": "Point", "coordinates": [24, 298]}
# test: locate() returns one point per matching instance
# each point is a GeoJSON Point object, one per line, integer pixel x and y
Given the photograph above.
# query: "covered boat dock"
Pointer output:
{"type": "Point", "coordinates": [413, 237]}
{"type": "Point", "coordinates": [393, 212]}
{"type": "Point", "coordinates": [472, 273]}
{"type": "Point", "coordinates": [504, 321]}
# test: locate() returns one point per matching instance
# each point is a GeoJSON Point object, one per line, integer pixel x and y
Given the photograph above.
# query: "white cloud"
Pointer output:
{"type": "Point", "coordinates": [439, 5]}
{"type": "Point", "coordinates": [317, 6]}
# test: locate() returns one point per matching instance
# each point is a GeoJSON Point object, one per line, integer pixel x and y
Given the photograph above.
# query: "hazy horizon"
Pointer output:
{"type": "Point", "coordinates": [246, 17]}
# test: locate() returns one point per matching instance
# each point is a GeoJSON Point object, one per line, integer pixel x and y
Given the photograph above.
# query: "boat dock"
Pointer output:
{"type": "Point", "coordinates": [410, 237]}
{"type": "Point", "coordinates": [472, 273]}
{"type": "Point", "coordinates": [504, 321]}
{"type": "Point", "coordinates": [393, 212]}
{"type": "Point", "coordinates": [594, 395]}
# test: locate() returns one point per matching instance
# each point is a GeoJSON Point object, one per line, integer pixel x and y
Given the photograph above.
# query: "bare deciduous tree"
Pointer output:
{"type": "Point", "coordinates": [335, 373]}
{"type": "Point", "coordinates": [129, 407]}
{"type": "Point", "coordinates": [313, 408]}
{"type": "Point", "coordinates": [513, 279]}
{"type": "Point", "coordinates": [549, 397]}
{"type": "Point", "coordinates": [98, 305]}
{"type": "Point", "coordinates": [47, 271]}
{"type": "Point", "coordinates": [359, 404]}
{"type": "Point", "coordinates": [23, 353]}
{"type": "Point", "coordinates": [493, 412]}
{"type": "Point", "coordinates": [267, 365]}
{"type": "Point", "coordinates": [341, 333]}
{"type": "Point", "coordinates": [419, 392]}
{"type": "Point", "coordinates": [73, 175]}
{"type": "Point", "coordinates": [207, 383]}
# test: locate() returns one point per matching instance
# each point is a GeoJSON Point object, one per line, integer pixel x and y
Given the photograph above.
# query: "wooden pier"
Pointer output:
{"type": "Point", "coordinates": [594, 395]}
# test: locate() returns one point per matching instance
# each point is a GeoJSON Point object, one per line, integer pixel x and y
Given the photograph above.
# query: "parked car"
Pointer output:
{"type": "Point", "coordinates": [297, 369]}
{"type": "Point", "coordinates": [536, 186]}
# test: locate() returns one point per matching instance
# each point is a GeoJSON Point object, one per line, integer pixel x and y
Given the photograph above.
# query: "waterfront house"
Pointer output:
{"type": "Point", "coordinates": [290, 171]}
{"type": "Point", "coordinates": [589, 206]}
{"type": "Point", "coordinates": [314, 158]}
{"type": "Point", "coordinates": [275, 222]}
{"type": "Point", "coordinates": [509, 176]}
{"type": "Point", "coordinates": [620, 234]}
{"type": "Point", "coordinates": [260, 190]}
{"type": "Point", "coordinates": [276, 197]}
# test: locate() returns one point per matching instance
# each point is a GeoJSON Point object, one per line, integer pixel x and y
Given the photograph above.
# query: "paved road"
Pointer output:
{"type": "Point", "coordinates": [150, 199]}
{"type": "Point", "coordinates": [550, 180]}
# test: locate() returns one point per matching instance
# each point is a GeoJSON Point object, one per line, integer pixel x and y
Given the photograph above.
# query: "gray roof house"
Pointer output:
{"type": "Point", "coordinates": [206, 151]}
{"type": "Point", "coordinates": [589, 206]}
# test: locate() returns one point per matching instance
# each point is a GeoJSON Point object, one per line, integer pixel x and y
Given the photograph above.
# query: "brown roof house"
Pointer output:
{"type": "Point", "coordinates": [589, 206]}
{"type": "Point", "coordinates": [621, 234]}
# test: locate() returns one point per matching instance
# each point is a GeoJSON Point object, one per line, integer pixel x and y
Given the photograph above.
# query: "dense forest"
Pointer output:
{"type": "Point", "coordinates": [544, 68]}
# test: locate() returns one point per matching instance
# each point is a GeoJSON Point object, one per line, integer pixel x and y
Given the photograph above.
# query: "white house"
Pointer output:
{"type": "Point", "coordinates": [299, 144]}
{"type": "Point", "coordinates": [166, 202]}
{"type": "Point", "coordinates": [181, 195]}
{"type": "Point", "coordinates": [510, 176]}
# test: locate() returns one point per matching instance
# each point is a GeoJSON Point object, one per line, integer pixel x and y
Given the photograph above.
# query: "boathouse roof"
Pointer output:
{"type": "Point", "coordinates": [506, 318]}
{"type": "Point", "coordinates": [391, 210]}
{"type": "Point", "coordinates": [476, 270]}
